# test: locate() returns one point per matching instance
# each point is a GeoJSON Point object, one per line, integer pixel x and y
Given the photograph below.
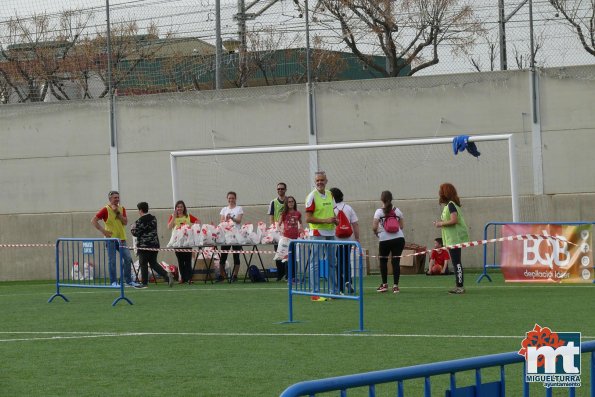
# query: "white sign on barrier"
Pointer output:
{"type": "Point", "coordinates": [88, 248]}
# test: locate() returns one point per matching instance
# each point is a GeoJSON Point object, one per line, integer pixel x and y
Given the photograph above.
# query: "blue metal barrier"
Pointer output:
{"type": "Point", "coordinates": [425, 371]}
{"type": "Point", "coordinates": [493, 262]}
{"type": "Point", "coordinates": [326, 268]}
{"type": "Point", "coordinates": [85, 263]}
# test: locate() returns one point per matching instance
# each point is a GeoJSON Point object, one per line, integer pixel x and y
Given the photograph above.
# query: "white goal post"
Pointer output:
{"type": "Point", "coordinates": [354, 145]}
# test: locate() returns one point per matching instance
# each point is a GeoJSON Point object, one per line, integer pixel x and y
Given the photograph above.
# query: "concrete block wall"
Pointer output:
{"type": "Point", "coordinates": [55, 158]}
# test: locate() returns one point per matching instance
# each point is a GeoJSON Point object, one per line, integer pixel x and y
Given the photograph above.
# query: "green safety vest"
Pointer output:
{"type": "Point", "coordinates": [278, 210]}
{"type": "Point", "coordinates": [114, 225]}
{"type": "Point", "coordinates": [454, 234]}
{"type": "Point", "coordinates": [323, 208]}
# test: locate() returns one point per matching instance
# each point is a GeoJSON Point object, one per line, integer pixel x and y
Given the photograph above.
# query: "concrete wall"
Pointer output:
{"type": "Point", "coordinates": [55, 165]}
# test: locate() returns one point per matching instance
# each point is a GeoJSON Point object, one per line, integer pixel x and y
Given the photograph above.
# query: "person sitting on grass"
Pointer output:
{"type": "Point", "coordinates": [438, 259]}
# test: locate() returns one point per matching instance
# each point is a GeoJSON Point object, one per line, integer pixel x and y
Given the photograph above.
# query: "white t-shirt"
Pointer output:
{"type": "Point", "coordinates": [234, 212]}
{"type": "Point", "coordinates": [349, 213]}
{"type": "Point", "coordinates": [382, 235]}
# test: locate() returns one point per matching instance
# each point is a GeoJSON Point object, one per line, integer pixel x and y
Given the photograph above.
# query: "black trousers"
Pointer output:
{"type": "Point", "coordinates": [185, 265]}
{"type": "Point", "coordinates": [146, 258]}
{"type": "Point", "coordinates": [455, 255]}
{"type": "Point", "coordinates": [223, 258]}
{"type": "Point", "coordinates": [394, 247]}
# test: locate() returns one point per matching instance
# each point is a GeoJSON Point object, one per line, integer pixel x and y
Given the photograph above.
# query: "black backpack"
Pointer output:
{"type": "Point", "coordinates": [255, 275]}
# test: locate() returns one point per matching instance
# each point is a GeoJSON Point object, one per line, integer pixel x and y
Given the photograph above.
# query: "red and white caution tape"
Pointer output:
{"type": "Point", "coordinates": [26, 245]}
{"type": "Point", "coordinates": [214, 249]}
{"type": "Point", "coordinates": [518, 237]}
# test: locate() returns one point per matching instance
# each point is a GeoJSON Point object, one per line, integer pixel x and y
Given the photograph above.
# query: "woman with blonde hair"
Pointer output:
{"type": "Point", "coordinates": [454, 230]}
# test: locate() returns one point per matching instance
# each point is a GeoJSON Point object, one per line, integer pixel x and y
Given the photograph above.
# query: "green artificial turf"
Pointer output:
{"type": "Point", "coordinates": [230, 339]}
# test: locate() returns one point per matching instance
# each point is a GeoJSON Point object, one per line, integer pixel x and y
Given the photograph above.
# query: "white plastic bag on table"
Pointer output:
{"type": "Point", "coordinates": [196, 239]}
{"type": "Point", "coordinates": [242, 233]}
{"type": "Point", "coordinates": [255, 236]}
{"type": "Point", "coordinates": [220, 232]}
{"type": "Point", "coordinates": [209, 234]}
{"type": "Point", "coordinates": [186, 238]}
{"type": "Point", "coordinates": [271, 235]}
{"type": "Point", "coordinates": [176, 237]}
{"type": "Point", "coordinates": [231, 236]}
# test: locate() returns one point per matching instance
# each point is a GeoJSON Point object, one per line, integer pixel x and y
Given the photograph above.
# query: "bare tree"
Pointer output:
{"type": "Point", "coordinates": [263, 47]}
{"type": "Point", "coordinates": [522, 57]}
{"type": "Point", "coordinates": [183, 72]}
{"type": "Point", "coordinates": [128, 51]}
{"type": "Point", "coordinates": [326, 64]}
{"type": "Point", "coordinates": [580, 15]}
{"type": "Point", "coordinates": [407, 32]}
{"type": "Point", "coordinates": [492, 54]}
{"type": "Point", "coordinates": [35, 52]}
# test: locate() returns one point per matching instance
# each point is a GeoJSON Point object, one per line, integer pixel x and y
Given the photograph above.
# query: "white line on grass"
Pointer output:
{"type": "Point", "coordinates": [72, 291]}
{"type": "Point", "coordinates": [86, 335]}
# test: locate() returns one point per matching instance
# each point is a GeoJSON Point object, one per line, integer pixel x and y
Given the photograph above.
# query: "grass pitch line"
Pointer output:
{"type": "Point", "coordinates": [87, 335]}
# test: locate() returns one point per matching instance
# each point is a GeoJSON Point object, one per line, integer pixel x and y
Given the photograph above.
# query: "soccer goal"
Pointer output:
{"type": "Point", "coordinates": [415, 166]}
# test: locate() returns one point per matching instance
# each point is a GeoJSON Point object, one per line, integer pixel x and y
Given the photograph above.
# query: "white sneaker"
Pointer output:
{"type": "Point", "coordinates": [134, 284]}
{"type": "Point", "coordinates": [115, 285]}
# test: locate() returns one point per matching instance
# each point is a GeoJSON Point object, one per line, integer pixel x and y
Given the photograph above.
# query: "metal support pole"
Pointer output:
{"type": "Point", "coordinates": [174, 177]}
{"type": "Point", "coordinates": [532, 65]}
{"type": "Point", "coordinates": [502, 35]}
{"type": "Point", "coordinates": [243, 44]}
{"type": "Point", "coordinates": [312, 136]}
{"type": "Point", "coordinates": [112, 118]}
{"type": "Point", "coordinates": [513, 179]}
{"type": "Point", "coordinates": [218, 45]}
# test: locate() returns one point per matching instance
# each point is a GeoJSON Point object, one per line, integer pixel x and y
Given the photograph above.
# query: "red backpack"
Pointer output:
{"type": "Point", "coordinates": [391, 222]}
{"type": "Point", "coordinates": [343, 229]}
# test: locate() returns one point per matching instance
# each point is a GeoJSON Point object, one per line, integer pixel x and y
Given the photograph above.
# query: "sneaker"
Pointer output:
{"type": "Point", "coordinates": [396, 289]}
{"type": "Point", "coordinates": [348, 288]}
{"type": "Point", "coordinates": [115, 285]}
{"type": "Point", "coordinates": [457, 290]}
{"type": "Point", "coordinates": [134, 284]}
{"type": "Point", "coordinates": [170, 279]}
{"type": "Point", "coordinates": [382, 288]}
{"type": "Point", "coordinates": [234, 279]}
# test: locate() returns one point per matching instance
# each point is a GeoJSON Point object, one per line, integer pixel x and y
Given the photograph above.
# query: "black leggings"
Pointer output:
{"type": "Point", "coordinates": [185, 265]}
{"type": "Point", "coordinates": [223, 258]}
{"type": "Point", "coordinates": [455, 255]}
{"type": "Point", "coordinates": [394, 247]}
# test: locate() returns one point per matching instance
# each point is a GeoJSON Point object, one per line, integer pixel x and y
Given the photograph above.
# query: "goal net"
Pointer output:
{"type": "Point", "coordinates": [410, 169]}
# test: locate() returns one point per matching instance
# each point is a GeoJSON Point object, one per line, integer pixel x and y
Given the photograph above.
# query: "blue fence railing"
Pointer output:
{"type": "Point", "coordinates": [425, 371]}
{"type": "Point", "coordinates": [491, 230]}
{"type": "Point", "coordinates": [326, 269]}
{"type": "Point", "coordinates": [89, 263]}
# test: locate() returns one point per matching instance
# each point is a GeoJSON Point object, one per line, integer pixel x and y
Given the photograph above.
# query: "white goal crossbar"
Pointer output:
{"type": "Point", "coordinates": [354, 145]}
